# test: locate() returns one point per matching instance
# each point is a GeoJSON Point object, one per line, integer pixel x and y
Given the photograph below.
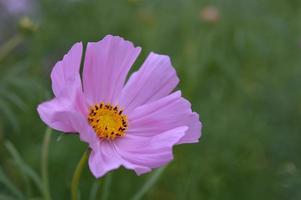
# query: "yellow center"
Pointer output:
{"type": "Point", "coordinates": [107, 121]}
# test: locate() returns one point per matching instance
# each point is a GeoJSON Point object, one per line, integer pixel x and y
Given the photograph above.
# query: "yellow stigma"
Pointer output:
{"type": "Point", "coordinates": [107, 121]}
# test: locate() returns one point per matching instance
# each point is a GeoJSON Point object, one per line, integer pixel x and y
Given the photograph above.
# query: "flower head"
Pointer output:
{"type": "Point", "coordinates": [210, 14]}
{"type": "Point", "coordinates": [133, 124]}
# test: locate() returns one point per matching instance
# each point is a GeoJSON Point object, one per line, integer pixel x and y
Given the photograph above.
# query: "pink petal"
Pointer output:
{"type": "Point", "coordinates": [103, 159]}
{"type": "Point", "coordinates": [150, 152]}
{"type": "Point", "coordinates": [164, 114]}
{"type": "Point", "coordinates": [55, 113]}
{"type": "Point", "coordinates": [107, 63]}
{"type": "Point", "coordinates": [65, 73]}
{"type": "Point", "coordinates": [59, 112]}
{"type": "Point", "coordinates": [134, 152]}
{"type": "Point", "coordinates": [154, 80]}
{"type": "Point", "coordinates": [86, 133]}
{"type": "Point", "coordinates": [69, 101]}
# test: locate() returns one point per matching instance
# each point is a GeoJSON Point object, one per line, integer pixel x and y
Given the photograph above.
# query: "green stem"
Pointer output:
{"type": "Point", "coordinates": [149, 183]}
{"type": "Point", "coordinates": [44, 164]}
{"type": "Point", "coordinates": [94, 189]}
{"type": "Point", "coordinates": [107, 185]}
{"type": "Point", "coordinates": [77, 174]}
{"type": "Point", "coordinates": [12, 43]}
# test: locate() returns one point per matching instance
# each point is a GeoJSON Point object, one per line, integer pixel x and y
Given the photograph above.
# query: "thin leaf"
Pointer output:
{"type": "Point", "coordinates": [44, 164]}
{"type": "Point", "coordinates": [21, 83]}
{"type": "Point", "coordinates": [10, 45]}
{"type": "Point", "coordinates": [13, 98]}
{"type": "Point", "coordinates": [107, 185]}
{"type": "Point", "coordinates": [94, 190]}
{"type": "Point", "coordinates": [25, 169]}
{"type": "Point", "coordinates": [4, 107]}
{"type": "Point", "coordinates": [36, 198]}
{"type": "Point", "coordinates": [75, 193]}
{"type": "Point", "coordinates": [27, 184]}
{"type": "Point", "coordinates": [6, 197]}
{"type": "Point", "coordinates": [10, 186]}
{"type": "Point", "coordinates": [149, 183]}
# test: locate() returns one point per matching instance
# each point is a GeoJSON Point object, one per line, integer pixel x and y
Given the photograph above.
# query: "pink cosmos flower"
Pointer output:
{"type": "Point", "coordinates": [133, 124]}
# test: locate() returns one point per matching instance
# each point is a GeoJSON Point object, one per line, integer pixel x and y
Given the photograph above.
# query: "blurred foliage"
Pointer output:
{"type": "Point", "coordinates": [241, 72]}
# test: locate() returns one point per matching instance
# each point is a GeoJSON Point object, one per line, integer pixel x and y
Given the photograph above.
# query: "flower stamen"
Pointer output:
{"type": "Point", "coordinates": [107, 121]}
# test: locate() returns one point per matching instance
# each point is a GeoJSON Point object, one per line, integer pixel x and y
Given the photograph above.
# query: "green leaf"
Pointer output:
{"type": "Point", "coordinates": [107, 185]}
{"type": "Point", "coordinates": [94, 189]}
{"type": "Point", "coordinates": [6, 197]}
{"type": "Point", "coordinates": [10, 186]}
{"type": "Point", "coordinates": [13, 98]}
{"type": "Point", "coordinates": [44, 164]}
{"type": "Point", "coordinates": [25, 169]}
{"type": "Point", "coordinates": [7, 113]}
{"type": "Point", "coordinates": [149, 183]}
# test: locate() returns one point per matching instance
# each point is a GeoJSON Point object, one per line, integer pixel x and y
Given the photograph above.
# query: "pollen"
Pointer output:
{"type": "Point", "coordinates": [108, 121]}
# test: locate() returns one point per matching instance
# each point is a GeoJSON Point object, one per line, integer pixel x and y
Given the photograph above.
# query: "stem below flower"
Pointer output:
{"type": "Point", "coordinates": [12, 43]}
{"type": "Point", "coordinates": [77, 175]}
{"type": "Point", "coordinates": [107, 185]}
{"type": "Point", "coordinates": [149, 183]}
{"type": "Point", "coordinates": [44, 164]}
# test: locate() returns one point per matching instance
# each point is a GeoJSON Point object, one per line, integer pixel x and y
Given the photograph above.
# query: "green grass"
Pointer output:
{"type": "Point", "coordinates": [242, 75]}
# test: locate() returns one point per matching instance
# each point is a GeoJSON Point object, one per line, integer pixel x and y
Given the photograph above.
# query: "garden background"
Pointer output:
{"type": "Point", "coordinates": [239, 63]}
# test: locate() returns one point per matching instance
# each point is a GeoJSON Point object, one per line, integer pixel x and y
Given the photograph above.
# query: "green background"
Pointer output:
{"type": "Point", "coordinates": [242, 74]}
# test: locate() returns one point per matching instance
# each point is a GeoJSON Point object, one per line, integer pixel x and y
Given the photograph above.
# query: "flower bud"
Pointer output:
{"type": "Point", "coordinates": [27, 26]}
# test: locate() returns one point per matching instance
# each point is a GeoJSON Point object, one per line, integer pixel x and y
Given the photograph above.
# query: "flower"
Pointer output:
{"type": "Point", "coordinates": [134, 125]}
{"type": "Point", "coordinates": [210, 14]}
{"type": "Point", "coordinates": [18, 6]}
